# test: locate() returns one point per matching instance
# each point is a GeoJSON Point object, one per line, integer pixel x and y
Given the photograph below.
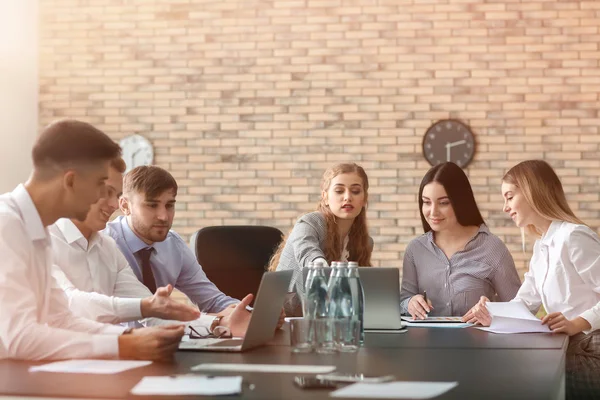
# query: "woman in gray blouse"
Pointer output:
{"type": "Point", "coordinates": [457, 260]}
{"type": "Point", "coordinates": [337, 231]}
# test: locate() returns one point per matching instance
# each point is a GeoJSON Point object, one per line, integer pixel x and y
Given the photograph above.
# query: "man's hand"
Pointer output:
{"type": "Point", "coordinates": [238, 319]}
{"type": "Point", "coordinates": [227, 310]}
{"type": "Point", "coordinates": [281, 319]}
{"type": "Point", "coordinates": [161, 305]}
{"type": "Point", "coordinates": [154, 344]}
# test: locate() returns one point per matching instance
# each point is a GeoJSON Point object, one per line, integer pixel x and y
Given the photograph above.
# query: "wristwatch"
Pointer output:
{"type": "Point", "coordinates": [215, 322]}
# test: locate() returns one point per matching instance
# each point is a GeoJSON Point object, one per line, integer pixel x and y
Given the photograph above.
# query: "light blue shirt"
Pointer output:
{"type": "Point", "coordinates": [172, 263]}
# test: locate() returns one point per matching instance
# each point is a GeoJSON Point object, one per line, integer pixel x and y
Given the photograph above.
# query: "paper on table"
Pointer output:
{"type": "Point", "coordinates": [438, 325]}
{"type": "Point", "coordinates": [90, 366]}
{"type": "Point", "coordinates": [432, 320]}
{"type": "Point", "coordinates": [188, 385]}
{"type": "Point", "coordinates": [279, 368]}
{"type": "Point", "coordinates": [395, 390]}
{"type": "Point", "coordinates": [513, 317]}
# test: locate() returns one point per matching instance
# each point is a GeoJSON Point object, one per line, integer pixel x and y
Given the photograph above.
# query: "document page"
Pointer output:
{"type": "Point", "coordinates": [188, 385]}
{"type": "Point", "coordinates": [513, 317]}
{"type": "Point", "coordinates": [90, 366]}
{"type": "Point", "coordinates": [276, 368]}
{"type": "Point", "coordinates": [395, 390]}
{"type": "Point", "coordinates": [433, 320]}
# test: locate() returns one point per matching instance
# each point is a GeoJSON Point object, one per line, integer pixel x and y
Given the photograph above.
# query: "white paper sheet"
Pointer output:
{"type": "Point", "coordinates": [277, 368]}
{"type": "Point", "coordinates": [188, 385]}
{"type": "Point", "coordinates": [433, 320]}
{"type": "Point", "coordinates": [513, 317]}
{"type": "Point", "coordinates": [90, 366]}
{"type": "Point", "coordinates": [437, 325]}
{"type": "Point", "coordinates": [395, 390]}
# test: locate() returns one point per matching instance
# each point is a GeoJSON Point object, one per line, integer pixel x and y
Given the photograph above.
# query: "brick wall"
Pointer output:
{"type": "Point", "coordinates": [247, 102]}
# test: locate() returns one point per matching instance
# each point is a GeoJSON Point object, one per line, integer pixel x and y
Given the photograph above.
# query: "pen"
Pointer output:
{"type": "Point", "coordinates": [425, 296]}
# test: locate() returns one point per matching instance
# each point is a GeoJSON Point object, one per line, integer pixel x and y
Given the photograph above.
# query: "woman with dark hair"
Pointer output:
{"type": "Point", "coordinates": [457, 260]}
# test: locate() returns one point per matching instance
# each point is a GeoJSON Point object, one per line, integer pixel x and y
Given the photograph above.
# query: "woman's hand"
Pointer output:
{"type": "Point", "coordinates": [418, 307]}
{"type": "Point", "coordinates": [558, 323]}
{"type": "Point", "coordinates": [479, 313]}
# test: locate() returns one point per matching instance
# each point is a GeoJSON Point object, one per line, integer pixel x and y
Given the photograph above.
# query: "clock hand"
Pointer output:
{"type": "Point", "coordinates": [133, 156]}
{"type": "Point", "coordinates": [456, 143]}
{"type": "Point", "coordinates": [448, 151]}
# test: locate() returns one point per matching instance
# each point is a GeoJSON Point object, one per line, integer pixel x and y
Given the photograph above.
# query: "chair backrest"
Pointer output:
{"type": "Point", "coordinates": [235, 257]}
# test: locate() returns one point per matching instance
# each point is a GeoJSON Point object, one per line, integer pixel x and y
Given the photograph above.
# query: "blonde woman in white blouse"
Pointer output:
{"type": "Point", "coordinates": [564, 272]}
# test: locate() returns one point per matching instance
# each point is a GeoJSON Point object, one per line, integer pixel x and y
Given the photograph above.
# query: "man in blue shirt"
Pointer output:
{"type": "Point", "coordinates": [157, 255]}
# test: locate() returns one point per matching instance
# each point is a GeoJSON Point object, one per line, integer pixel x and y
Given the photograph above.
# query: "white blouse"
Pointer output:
{"type": "Point", "coordinates": [564, 273]}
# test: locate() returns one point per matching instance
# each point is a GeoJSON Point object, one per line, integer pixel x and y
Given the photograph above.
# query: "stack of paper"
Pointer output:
{"type": "Point", "coordinates": [513, 317]}
{"type": "Point", "coordinates": [273, 368]}
{"type": "Point", "coordinates": [90, 366]}
{"type": "Point", "coordinates": [435, 322]}
{"type": "Point", "coordinates": [395, 390]}
{"type": "Point", "coordinates": [187, 385]}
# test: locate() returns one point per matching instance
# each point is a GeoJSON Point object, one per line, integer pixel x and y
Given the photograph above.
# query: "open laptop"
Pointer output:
{"type": "Point", "coordinates": [263, 322]}
{"type": "Point", "coordinates": [381, 287]}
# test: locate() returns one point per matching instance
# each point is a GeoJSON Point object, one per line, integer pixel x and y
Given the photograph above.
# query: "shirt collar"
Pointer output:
{"type": "Point", "coordinates": [133, 241]}
{"type": "Point", "coordinates": [72, 234]}
{"type": "Point", "coordinates": [549, 235]}
{"type": "Point", "coordinates": [31, 217]}
{"type": "Point", "coordinates": [482, 229]}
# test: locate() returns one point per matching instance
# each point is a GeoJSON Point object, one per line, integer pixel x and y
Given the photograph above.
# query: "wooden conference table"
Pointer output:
{"type": "Point", "coordinates": [486, 365]}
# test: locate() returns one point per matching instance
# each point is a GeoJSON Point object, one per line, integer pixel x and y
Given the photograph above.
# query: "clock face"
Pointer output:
{"type": "Point", "coordinates": [137, 150]}
{"type": "Point", "coordinates": [449, 140]}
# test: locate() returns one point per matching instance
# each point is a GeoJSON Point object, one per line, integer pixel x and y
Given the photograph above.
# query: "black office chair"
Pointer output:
{"type": "Point", "coordinates": [235, 257]}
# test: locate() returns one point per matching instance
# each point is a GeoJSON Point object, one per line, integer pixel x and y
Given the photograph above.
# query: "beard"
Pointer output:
{"type": "Point", "coordinates": [149, 233]}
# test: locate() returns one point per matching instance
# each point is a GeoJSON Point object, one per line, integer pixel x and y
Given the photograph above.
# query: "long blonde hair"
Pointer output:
{"type": "Point", "coordinates": [542, 190]}
{"type": "Point", "coordinates": [358, 237]}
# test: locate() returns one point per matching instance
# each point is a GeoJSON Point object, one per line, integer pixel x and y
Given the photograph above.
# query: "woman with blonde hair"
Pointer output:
{"type": "Point", "coordinates": [564, 271]}
{"type": "Point", "coordinates": [337, 231]}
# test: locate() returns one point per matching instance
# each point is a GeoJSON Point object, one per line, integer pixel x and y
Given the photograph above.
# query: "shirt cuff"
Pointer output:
{"type": "Point", "coordinates": [321, 260]}
{"type": "Point", "coordinates": [129, 309]}
{"type": "Point", "coordinates": [404, 306]}
{"type": "Point", "coordinates": [591, 317]}
{"type": "Point", "coordinates": [105, 346]}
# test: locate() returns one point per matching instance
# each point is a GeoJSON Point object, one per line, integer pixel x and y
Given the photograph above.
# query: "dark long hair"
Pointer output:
{"type": "Point", "coordinates": [459, 191]}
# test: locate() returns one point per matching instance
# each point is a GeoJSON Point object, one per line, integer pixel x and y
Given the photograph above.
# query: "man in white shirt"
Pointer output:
{"type": "Point", "coordinates": [70, 168]}
{"type": "Point", "coordinates": [99, 282]}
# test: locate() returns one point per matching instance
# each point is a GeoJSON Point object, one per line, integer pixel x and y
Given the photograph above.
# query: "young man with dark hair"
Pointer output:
{"type": "Point", "coordinates": [70, 168]}
{"type": "Point", "coordinates": [98, 280]}
{"type": "Point", "coordinates": [159, 256]}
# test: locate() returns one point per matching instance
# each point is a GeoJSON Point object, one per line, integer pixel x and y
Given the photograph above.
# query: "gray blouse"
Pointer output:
{"type": "Point", "coordinates": [484, 268]}
{"type": "Point", "coordinates": [304, 245]}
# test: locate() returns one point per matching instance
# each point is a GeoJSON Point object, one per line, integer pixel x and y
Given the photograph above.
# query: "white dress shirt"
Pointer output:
{"type": "Point", "coordinates": [36, 322]}
{"type": "Point", "coordinates": [98, 280]}
{"type": "Point", "coordinates": [564, 273]}
{"type": "Point", "coordinates": [95, 275]}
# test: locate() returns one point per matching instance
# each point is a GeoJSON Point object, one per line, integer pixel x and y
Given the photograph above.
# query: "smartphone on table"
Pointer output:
{"type": "Point", "coordinates": [311, 382]}
{"type": "Point", "coordinates": [330, 381]}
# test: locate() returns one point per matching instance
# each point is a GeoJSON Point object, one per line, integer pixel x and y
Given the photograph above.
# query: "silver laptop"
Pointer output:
{"type": "Point", "coordinates": [382, 298]}
{"type": "Point", "coordinates": [263, 322]}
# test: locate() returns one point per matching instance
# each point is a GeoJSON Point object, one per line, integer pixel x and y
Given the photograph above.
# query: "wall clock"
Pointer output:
{"type": "Point", "coordinates": [449, 140]}
{"type": "Point", "coordinates": [137, 150]}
